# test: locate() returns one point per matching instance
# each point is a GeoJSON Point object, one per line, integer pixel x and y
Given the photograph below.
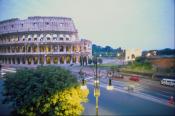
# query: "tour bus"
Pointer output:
{"type": "Point", "coordinates": [169, 82]}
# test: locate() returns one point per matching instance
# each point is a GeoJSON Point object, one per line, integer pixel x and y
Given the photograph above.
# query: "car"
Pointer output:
{"type": "Point", "coordinates": [134, 78]}
{"type": "Point", "coordinates": [168, 82]}
{"type": "Point", "coordinates": [119, 76]}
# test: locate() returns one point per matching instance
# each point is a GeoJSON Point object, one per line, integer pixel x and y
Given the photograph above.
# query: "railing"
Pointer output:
{"type": "Point", "coordinates": [41, 53]}
{"type": "Point", "coordinates": [39, 42]}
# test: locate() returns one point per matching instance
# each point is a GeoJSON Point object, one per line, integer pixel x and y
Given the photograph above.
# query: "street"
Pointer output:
{"type": "Point", "coordinates": [147, 98]}
{"type": "Point", "coordinates": [120, 102]}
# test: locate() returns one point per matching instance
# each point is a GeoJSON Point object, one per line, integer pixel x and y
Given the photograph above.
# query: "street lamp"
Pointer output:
{"type": "Point", "coordinates": [96, 82]}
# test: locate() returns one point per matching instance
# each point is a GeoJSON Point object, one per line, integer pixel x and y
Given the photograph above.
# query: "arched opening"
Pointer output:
{"type": "Point", "coordinates": [74, 59]}
{"type": "Point", "coordinates": [41, 48]}
{"type": "Point", "coordinates": [48, 49]}
{"type": "Point", "coordinates": [74, 49]}
{"type": "Point", "coordinates": [67, 48]}
{"type": "Point", "coordinates": [41, 60]}
{"type": "Point", "coordinates": [67, 59]}
{"type": "Point", "coordinates": [61, 38]}
{"type": "Point", "coordinates": [18, 60]}
{"type": "Point", "coordinates": [8, 49]}
{"type": "Point", "coordinates": [55, 60]}
{"type": "Point", "coordinates": [48, 60]}
{"type": "Point", "coordinates": [23, 60]}
{"type": "Point", "coordinates": [48, 38]}
{"type": "Point", "coordinates": [29, 60]}
{"type": "Point", "coordinates": [17, 49]}
{"type": "Point", "coordinates": [35, 48]}
{"type": "Point", "coordinates": [35, 39]}
{"type": "Point", "coordinates": [5, 60]}
{"type": "Point", "coordinates": [29, 39]}
{"type": "Point", "coordinates": [9, 60]}
{"type": "Point", "coordinates": [35, 59]}
{"type": "Point", "coordinates": [61, 48]}
{"type": "Point", "coordinates": [55, 48]}
{"type": "Point", "coordinates": [13, 49]}
{"type": "Point", "coordinates": [13, 60]}
{"type": "Point", "coordinates": [29, 49]}
{"type": "Point", "coordinates": [62, 60]}
{"type": "Point", "coordinates": [23, 48]}
{"type": "Point", "coordinates": [133, 56]}
{"type": "Point", "coordinates": [54, 37]}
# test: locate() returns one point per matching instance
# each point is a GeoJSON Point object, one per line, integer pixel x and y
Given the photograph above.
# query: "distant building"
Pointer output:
{"type": "Point", "coordinates": [131, 54]}
{"type": "Point", "coordinates": [151, 53]}
{"type": "Point", "coordinates": [42, 40]}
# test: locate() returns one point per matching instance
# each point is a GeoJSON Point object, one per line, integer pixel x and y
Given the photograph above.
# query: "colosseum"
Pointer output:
{"type": "Point", "coordinates": [41, 41]}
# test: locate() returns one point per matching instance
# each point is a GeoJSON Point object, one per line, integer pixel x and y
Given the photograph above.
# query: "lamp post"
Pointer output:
{"type": "Point", "coordinates": [96, 82]}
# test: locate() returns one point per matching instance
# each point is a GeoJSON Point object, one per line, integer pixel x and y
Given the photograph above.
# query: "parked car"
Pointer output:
{"type": "Point", "coordinates": [134, 78]}
{"type": "Point", "coordinates": [168, 82]}
{"type": "Point", "coordinates": [118, 76]}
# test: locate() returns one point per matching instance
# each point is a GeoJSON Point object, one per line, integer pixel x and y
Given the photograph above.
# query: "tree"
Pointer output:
{"type": "Point", "coordinates": [89, 61]}
{"type": "Point", "coordinates": [94, 60]}
{"type": "Point", "coordinates": [100, 61]}
{"type": "Point", "coordinates": [44, 91]}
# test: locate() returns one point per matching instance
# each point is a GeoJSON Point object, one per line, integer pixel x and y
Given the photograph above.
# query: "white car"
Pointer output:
{"type": "Point", "coordinates": [169, 82]}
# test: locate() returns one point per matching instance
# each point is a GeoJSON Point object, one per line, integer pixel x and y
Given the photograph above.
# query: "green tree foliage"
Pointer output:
{"type": "Point", "coordinates": [100, 60]}
{"type": "Point", "coordinates": [44, 91]}
{"type": "Point", "coordinates": [89, 61]}
{"type": "Point", "coordinates": [94, 60]}
{"type": "Point", "coordinates": [141, 64]}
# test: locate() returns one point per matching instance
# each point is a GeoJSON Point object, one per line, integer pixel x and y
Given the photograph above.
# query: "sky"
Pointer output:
{"type": "Point", "coordinates": [145, 24]}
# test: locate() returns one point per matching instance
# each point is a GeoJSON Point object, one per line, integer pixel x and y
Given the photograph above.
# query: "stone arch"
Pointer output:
{"type": "Point", "coordinates": [54, 36]}
{"type": "Point", "coordinates": [23, 48]}
{"type": "Point", "coordinates": [29, 38]}
{"type": "Point", "coordinates": [48, 48]}
{"type": "Point", "coordinates": [48, 37]}
{"type": "Point", "coordinates": [18, 60]}
{"type": "Point", "coordinates": [9, 60]}
{"type": "Point", "coordinates": [41, 37]}
{"type": "Point", "coordinates": [48, 60]}
{"type": "Point", "coordinates": [35, 37]}
{"type": "Point", "coordinates": [35, 49]}
{"type": "Point", "coordinates": [29, 60]}
{"type": "Point", "coordinates": [74, 59]}
{"type": "Point", "coordinates": [13, 60]}
{"type": "Point", "coordinates": [55, 60]}
{"type": "Point", "coordinates": [29, 48]}
{"type": "Point", "coordinates": [35, 60]}
{"type": "Point", "coordinates": [62, 60]}
{"type": "Point", "coordinates": [61, 37]}
{"type": "Point", "coordinates": [41, 60]}
{"type": "Point", "coordinates": [61, 48]}
{"type": "Point", "coordinates": [68, 58]}
{"type": "Point", "coordinates": [132, 56]}
{"type": "Point", "coordinates": [23, 60]}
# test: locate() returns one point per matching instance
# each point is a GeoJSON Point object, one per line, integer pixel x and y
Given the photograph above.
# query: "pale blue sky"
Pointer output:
{"type": "Point", "coordinates": [146, 24]}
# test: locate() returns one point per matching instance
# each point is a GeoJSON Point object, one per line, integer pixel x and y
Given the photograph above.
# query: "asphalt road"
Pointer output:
{"type": "Point", "coordinates": [121, 102]}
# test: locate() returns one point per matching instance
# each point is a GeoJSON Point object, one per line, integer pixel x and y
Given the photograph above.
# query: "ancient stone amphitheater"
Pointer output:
{"type": "Point", "coordinates": [41, 41]}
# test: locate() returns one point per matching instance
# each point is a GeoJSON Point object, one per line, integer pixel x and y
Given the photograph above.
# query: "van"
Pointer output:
{"type": "Point", "coordinates": [169, 82]}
